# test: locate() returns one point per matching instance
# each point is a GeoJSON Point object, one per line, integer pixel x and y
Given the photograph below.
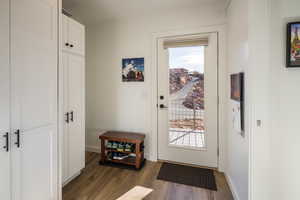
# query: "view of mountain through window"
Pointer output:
{"type": "Point", "coordinates": [186, 96]}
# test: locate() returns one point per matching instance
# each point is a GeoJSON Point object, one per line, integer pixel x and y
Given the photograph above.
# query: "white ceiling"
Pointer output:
{"type": "Point", "coordinates": [90, 11]}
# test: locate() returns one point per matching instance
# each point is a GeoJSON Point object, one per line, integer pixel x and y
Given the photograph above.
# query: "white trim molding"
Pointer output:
{"type": "Point", "coordinates": [232, 187]}
{"type": "Point", "coordinates": [94, 149]}
{"type": "Point", "coordinates": [60, 124]}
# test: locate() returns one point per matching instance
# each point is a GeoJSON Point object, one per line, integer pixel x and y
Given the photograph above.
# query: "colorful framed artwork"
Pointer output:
{"type": "Point", "coordinates": [293, 45]}
{"type": "Point", "coordinates": [133, 69]}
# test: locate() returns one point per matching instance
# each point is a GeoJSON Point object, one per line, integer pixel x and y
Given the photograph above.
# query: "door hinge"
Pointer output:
{"type": "Point", "coordinates": [218, 152]}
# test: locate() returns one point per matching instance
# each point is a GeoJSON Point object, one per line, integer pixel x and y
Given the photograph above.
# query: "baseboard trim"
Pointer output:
{"type": "Point", "coordinates": [70, 179]}
{"type": "Point", "coordinates": [232, 187]}
{"type": "Point", "coordinates": [94, 149]}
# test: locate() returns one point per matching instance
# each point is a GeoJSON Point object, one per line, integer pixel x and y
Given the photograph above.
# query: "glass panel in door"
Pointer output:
{"type": "Point", "coordinates": [186, 97]}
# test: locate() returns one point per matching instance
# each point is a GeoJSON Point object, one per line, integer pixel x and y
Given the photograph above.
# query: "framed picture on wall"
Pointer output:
{"type": "Point", "coordinates": [237, 97]}
{"type": "Point", "coordinates": [237, 87]}
{"type": "Point", "coordinates": [293, 45]}
{"type": "Point", "coordinates": [133, 69]}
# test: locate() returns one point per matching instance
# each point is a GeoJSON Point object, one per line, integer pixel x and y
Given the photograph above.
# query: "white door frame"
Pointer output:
{"type": "Point", "coordinates": [60, 102]}
{"type": "Point", "coordinates": [222, 88]}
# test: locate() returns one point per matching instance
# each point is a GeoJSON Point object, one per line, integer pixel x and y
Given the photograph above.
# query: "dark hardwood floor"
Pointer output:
{"type": "Point", "coordinates": [106, 183]}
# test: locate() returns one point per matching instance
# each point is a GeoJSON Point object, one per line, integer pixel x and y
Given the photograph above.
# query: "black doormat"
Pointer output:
{"type": "Point", "coordinates": [187, 175]}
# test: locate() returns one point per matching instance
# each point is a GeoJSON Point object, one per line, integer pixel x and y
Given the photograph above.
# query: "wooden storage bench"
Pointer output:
{"type": "Point", "coordinates": [135, 139]}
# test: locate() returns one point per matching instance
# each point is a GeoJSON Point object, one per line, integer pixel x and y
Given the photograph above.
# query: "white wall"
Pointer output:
{"type": "Point", "coordinates": [275, 148]}
{"type": "Point", "coordinates": [111, 104]}
{"type": "Point", "coordinates": [237, 150]}
{"type": "Point", "coordinates": [259, 98]}
{"type": "Point", "coordinates": [285, 139]}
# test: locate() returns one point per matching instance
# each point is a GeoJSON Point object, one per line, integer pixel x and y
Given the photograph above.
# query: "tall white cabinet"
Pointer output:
{"type": "Point", "coordinates": [74, 98]}
{"type": "Point", "coordinates": [28, 100]}
{"type": "Point", "coordinates": [5, 152]}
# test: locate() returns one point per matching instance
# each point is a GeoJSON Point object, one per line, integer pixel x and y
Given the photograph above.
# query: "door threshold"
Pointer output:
{"type": "Point", "coordinates": [186, 164]}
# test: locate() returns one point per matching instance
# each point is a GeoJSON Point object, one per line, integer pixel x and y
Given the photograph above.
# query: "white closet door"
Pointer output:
{"type": "Point", "coordinates": [4, 101]}
{"type": "Point", "coordinates": [76, 37]}
{"type": "Point", "coordinates": [34, 61]}
{"type": "Point", "coordinates": [76, 108]}
{"type": "Point", "coordinates": [65, 33]}
{"type": "Point", "coordinates": [65, 164]}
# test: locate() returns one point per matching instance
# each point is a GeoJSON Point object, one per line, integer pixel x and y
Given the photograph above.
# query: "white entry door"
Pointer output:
{"type": "Point", "coordinates": [34, 62]}
{"type": "Point", "coordinates": [188, 99]}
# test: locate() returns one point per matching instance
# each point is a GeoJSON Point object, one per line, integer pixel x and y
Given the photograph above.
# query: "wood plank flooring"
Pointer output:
{"type": "Point", "coordinates": [106, 183]}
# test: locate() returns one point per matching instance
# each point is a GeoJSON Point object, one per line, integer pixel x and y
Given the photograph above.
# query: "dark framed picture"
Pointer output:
{"type": "Point", "coordinates": [133, 69]}
{"type": "Point", "coordinates": [236, 85]}
{"type": "Point", "coordinates": [293, 45]}
{"type": "Point", "coordinates": [237, 95]}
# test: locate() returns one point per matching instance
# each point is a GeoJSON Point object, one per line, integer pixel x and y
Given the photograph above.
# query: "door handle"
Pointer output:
{"type": "Point", "coordinates": [162, 106]}
{"type": "Point", "coordinates": [67, 117]}
{"type": "Point", "coordinates": [18, 138]}
{"type": "Point", "coordinates": [72, 116]}
{"type": "Point", "coordinates": [6, 147]}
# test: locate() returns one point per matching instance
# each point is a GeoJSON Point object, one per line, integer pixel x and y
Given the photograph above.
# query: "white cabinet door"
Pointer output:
{"type": "Point", "coordinates": [65, 154]}
{"type": "Point", "coordinates": [76, 109]}
{"type": "Point", "coordinates": [76, 37]}
{"type": "Point", "coordinates": [74, 128]}
{"type": "Point", "coordinates": [4, 101]}
{"type": "Point", "coordinates": [34, 62]}
{"type": "Point", "coordinates": [65, 33]}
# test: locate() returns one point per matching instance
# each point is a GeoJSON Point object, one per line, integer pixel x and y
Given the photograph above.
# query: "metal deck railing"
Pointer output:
{"type": "Point", "coordinates": [186, 125]}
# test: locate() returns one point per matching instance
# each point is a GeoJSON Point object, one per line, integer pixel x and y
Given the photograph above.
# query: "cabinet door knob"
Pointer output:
{"type": "Point", "coordinates": [71, 45]}
{"type": "Point", "coordinates": [162, 106]}
{"type": "Point", "coordinates": [67, 44]}
{"type": "Point", "coordinates": [6, 147]}
{"type": "Point", "coordinates": [18, 138]}
{"type": "Point", "coordinates": [72, 116]}
{"type": "Point", "coordinates": [67, 117]}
